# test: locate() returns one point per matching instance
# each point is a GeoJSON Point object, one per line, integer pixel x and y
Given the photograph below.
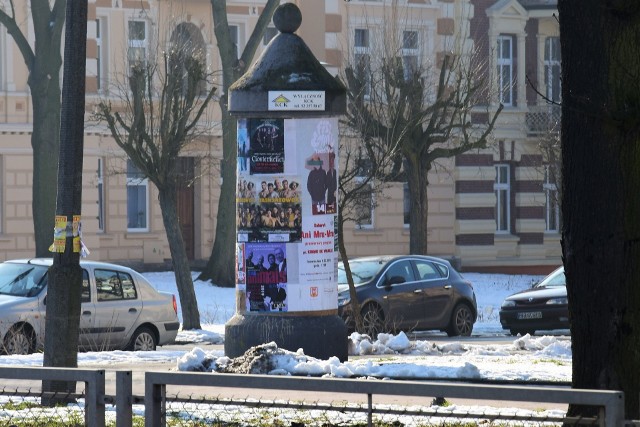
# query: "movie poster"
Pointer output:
{"type": "Point", "coordinates": [266, 276]}
{"type": "Point", "coordinates": [273, 213]}
{"type": "Point", "coordinates": [266, 140]}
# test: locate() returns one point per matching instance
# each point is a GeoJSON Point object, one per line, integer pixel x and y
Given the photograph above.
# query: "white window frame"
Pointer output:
{"type": "Point", "coordinates": [363, 51]}
{"type": "Point", "coordinates": [102, 59]}
{"type": "Point", "coordinates": [138, 44]}
{"type": "Point", "coordinates": [410, 52]}
{"type": "Point", "coordinates": [552, 69]}
{"type": "Point", "coordinates": [504, 59]}
{"type": "Point", "coordinates": [371, 224]}
{"type": "Point", "coordinates": [137, 181]}
{"type": "Point", "coordinates": [502, 190]}
{"type": "Point", "coordinates": [552, 204]}
{"type": "Point", "coordinates": [101, 194]}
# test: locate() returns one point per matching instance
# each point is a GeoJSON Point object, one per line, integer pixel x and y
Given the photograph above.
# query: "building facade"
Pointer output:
{"type": "Point", "coordinates": [490, 209]}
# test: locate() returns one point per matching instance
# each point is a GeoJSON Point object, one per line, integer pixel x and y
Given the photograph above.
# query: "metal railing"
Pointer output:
{"type": "Point", "coordinates": [90, 403]}
{"type": "Point", "coordinates": [610, 402]}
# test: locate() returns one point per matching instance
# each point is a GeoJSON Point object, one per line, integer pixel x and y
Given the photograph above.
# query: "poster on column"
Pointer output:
{"type": "Point", "coordinates": [317, 151]}
{"type": "Point", "coordinates": [266, 146]}
{"type": "Point", "coordinates": [266, 276]}
{"type": "Point", "coordinates": [286, 209]}
{"type": "Point", "coordinates": [273, 214]}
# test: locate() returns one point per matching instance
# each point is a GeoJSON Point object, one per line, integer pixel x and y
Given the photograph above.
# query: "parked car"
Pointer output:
{"type": "Point", "coordinates": [120, 308]}
{"type": "Point", "coordinates": [543, 307]}
{"type": "Point", "coordinates": [407, 292]}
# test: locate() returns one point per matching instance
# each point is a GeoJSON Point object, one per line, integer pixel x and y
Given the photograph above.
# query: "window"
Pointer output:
{"type": "Point", "coordinates": [552, 68]}
{"type": "Point", "coordinates": [362, 58]}
{"type": "Point", "coordinates": [114, 285]}
{"type": "Point", "coordinates": [101, 204]}
{"type": "Point", "coordinates": [409, 53]}
{"type": "Point", "coordinates": [234, 34]}
{"type": "Point", "coordinates": [137, 199]}
{"type": "Point", "coordinates": [86, 288]}
{"type": "Point", "coordinates": [399, 269]}
{"type": "Point", "coordinates": [427, 271]}
{"type": "Point", "coordinates": [364, 205]}
{"type": "Point", "coordinates": [505, 70]}
{"type": "Point", "coordinates": [552, 204]}
{"type": "Point", "coordinates": [101, 54]}
{"type": "Point", "coordinates": [503, 196]}
{"type": "Point", "coordinates": [269, 33]}
{"type": "Point", "coordinates": [406, 204]}
{"type": "Point", "coordinates": [138, 42]}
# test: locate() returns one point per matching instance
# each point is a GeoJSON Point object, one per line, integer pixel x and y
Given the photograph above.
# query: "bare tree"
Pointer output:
{"type": "Point", "coordinates": [43, 62]}
{"type": "Point", "coordinates": [220, 268]}
{"type": "Point", "coordinates": [429, 113]}
{"type": "Point", "coordinates": [155, 120]}
{"type": "Point", "coordinates": [361, 187]}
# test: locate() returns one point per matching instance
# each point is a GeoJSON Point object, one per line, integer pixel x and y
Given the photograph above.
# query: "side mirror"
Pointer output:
{"type": "Point", "coordinates": [394, 280]}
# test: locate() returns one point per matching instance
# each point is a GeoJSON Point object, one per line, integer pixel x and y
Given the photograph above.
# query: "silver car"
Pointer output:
{"type": "Point", "coordinates": [120, 308]}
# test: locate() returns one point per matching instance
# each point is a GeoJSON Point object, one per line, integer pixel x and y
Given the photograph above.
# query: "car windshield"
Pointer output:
{"type": "Point", "coordinates": [22, 280]}
{"type": "Point", "coordinates": [555, 279]}
{"type": "Point", "coordinates": [362, 271]}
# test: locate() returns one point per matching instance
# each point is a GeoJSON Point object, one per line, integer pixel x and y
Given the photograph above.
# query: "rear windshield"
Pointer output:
{"type": "Point", "coordinates": [22, 280]}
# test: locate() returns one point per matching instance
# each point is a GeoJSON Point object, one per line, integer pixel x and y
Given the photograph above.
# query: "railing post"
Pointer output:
{"type": "Point", "coordinates": [154, 402]}
{"type": "Point", "coordinates": [124, 399]}
{"type": "Point", "coordinates": [94, 404]}
{"type": "Point", "coordinates": [614, 411]}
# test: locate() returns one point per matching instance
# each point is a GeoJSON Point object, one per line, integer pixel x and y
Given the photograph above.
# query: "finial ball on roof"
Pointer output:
{"type": "Point", "coordinates": [287, 18]}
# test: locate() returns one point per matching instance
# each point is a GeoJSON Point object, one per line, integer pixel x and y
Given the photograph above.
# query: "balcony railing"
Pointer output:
{"type": "Point", "coordinates": [542, 119]}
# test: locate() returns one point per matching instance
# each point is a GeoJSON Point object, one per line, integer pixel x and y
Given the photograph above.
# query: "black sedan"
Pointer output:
{"type": "Point", "coordinates": [543, 307]}
{"type": "Point", "coordinates": [407, 292]}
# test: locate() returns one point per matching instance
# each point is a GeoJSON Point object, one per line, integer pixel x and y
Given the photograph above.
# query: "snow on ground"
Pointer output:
{"type": "Point", "coordinates": [545, 358]}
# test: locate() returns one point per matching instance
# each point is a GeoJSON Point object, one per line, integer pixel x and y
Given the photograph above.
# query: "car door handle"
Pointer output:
{"type": "Point", "coordinates": [133, 310]}
{"type": "Point", "coordinates": [86, 313]}
{"type": "Point", "coordinates": [447, 286]}
{"type": "Point", "coordinates": [417, 291]}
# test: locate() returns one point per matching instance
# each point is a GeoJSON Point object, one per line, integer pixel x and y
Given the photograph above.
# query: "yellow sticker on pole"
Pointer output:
{"type": "Point", "coordinates": [60, 234]}
{"type": "Point", "coordinates": [76, 233]}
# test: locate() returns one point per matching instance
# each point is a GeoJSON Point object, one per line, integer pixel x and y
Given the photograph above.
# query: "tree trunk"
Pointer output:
{"type": "Point", "coordinates": [355, 304]}
{"type": "Point", "coordinates": [220, 268]}
{"type": "Point", "coordinates": [45, 142]}
{"type": "Point", "coordinates": [418, 181]}
{"type": "Point", "coordinates": [169, 206]}
{"type": "Point", "coordinates": [601, 206]}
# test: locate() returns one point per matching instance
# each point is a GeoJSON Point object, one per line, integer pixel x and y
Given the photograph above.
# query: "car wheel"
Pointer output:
{"type": "Point", "coordinates": [373, 320]}
{"type": "Point", "coordinates": [143, 339]}
{"type": "Point", "coordinates": [19, 341]}
{"type": "Point", "coordinates": [461, 321]}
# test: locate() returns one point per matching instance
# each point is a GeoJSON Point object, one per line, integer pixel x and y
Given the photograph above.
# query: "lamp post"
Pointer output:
{"type": "Point", "coordinates": [287, 106]}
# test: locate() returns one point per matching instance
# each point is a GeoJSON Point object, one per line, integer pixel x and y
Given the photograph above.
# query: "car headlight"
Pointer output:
{"type": "Point", "coordinates": [557, 301]}
{"type": "Point", "coordinates": [343, 300]}
{"type": "Point", "coordinates": [508, 303]}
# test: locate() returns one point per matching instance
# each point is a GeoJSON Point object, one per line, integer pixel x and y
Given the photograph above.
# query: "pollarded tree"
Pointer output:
{"type": "Point", "coordinates": [43, 62]}
{"type": "Point", "coordinates": [600, 203]}
{"type": "Point", "coordinates": [361, 186]}
{"type": "Point", "coordinates": [156, 119]}
{"type": "Point", "coordinates": [220, 268]}
{"type": "Point", "coordinates": [408, 103]}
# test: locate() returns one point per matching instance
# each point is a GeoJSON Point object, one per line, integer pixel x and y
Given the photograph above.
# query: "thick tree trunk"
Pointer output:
{"type": "Point", "coordinates": [601, 206]}
{"type": "Point", "coordinates": [46, 145]}
{"type": "Point", "coordinates": [189, 305]}
{"type": "Point", "coordinates": [220, 268]}
{"type": "Point", "coordinates": [418, 181]}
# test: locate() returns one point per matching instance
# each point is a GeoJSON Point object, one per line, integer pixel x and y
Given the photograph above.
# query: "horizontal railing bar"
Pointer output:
{"type": "Point", "coordinates": [49, 373]}
{"type": "Point", "coordinates": [401, 388]}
